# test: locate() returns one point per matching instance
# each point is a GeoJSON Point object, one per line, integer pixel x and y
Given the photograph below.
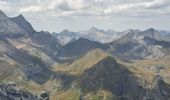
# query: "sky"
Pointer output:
{"type": "Point", "coordinates": [76, 15]}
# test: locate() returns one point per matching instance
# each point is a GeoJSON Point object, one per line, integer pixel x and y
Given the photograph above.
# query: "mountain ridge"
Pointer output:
{"type": "Point", "coordinates": [79, 47]}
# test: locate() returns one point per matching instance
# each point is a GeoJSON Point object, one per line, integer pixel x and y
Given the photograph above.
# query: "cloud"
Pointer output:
{"type": "Point", "coordinates": [111, 10]}
{"type": "Point", "coordinates": [55, 5]}
{"type": "Point", "coordinates": [86, 7]}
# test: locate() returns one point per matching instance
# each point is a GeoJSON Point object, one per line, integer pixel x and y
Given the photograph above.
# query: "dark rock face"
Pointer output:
{"type": "Point", "coordinates": [9, 28]}
{"type": "Point", "coordinates": [7, 92]}
{"type": "Point", "coordinates": [20, 20]}
{"type": "Point", "coordinates": [165, 44]}
{"type": "Point", "coordinates": [45, 96]}
{"type": "Point", "coordinates": [49, 44]}
{"type": "Point", "coordinates": [2, 15]}
{"type": "Point", "coordinates": [79, 47]}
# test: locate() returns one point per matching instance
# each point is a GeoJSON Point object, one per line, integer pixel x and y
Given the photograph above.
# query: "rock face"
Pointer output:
{"type": "Point", "coordinates": [2, 15]}
{"type": "Point", "coordinates": [21, 46]}
{"type": "Point", "coordinates": [20, 20]}
{"type": "Point", "coordinates": [79, 47]}
{"type": "Point", "coordinates": [9, 28]}
{"type": "Point", "coordinates": [7, 92]}
{"type": "Point", "coordinates": [47, 42]}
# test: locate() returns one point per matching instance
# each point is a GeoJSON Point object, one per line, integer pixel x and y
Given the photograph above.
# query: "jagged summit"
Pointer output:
{"type": "Point", "coordinates": [23, 23]}
{"type": "Point", "coordinates": [9, 28]}
{"type": "Point", "coordinates": [20, 17]}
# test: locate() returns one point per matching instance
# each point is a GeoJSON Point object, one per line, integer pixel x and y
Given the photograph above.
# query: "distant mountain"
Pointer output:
{"type": "Point", "coordinates": [79, 47]}
{"type": "Point", "coordinates": [101, 36]}
{"type": "Point", "coordinates": [66, 36]}
{"type": "Point", "coordinates": [92, 34]}
{"type": "Point", "coordinates": [141, 44]}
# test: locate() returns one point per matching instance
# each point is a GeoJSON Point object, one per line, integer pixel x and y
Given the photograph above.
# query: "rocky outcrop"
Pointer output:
{"type": "Point", "coordinates": [8, 92]}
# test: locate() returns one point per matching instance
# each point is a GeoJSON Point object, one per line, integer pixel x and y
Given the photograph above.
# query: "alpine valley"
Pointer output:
{"type": "Point", "coordinates": [92, 64]}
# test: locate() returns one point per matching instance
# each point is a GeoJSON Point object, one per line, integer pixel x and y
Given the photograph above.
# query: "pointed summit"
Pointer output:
{"type": "Point", "coordinates": [23, 23]}
{"type": "Point", "coordinates": [65, 30]}
{"type": "Point", "coordinates": [9, 28]}
{"type": "Point", "coordinates": [150, 30]}
{"type": "Point", "coordinates": [93, 29]}
{"type": "Point", "coordinates": [2, 15]}
{"type": "Point", "coordinates": [21, 17]}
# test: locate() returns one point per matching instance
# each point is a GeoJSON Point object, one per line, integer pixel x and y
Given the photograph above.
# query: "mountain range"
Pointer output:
{"type": "Point", "coordinates": [88, 65]}
{"type": "Point", "coordinates": [142, 44]}
{"type": "Point", "coordinates": [93, 34]}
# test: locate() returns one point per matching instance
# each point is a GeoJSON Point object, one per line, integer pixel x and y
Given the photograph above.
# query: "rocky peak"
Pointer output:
{"type": "Point", "coordinates": [150, 30]}
{"type": "Point", "coordinates": [82, 39]}
{"type": "Point", "coordinates": [93, 28]}
{"type": "Point", "coordinates": [21, 17]}
{"type": "Point", "coordinates": [65, 31]}
{"type": "Point", "coordinates": [9, 28]}
{"type": "Point", "coordinates": [23, 23]}
{"type": "Point", "coordinates": [2, 15]}
{"type": "Point", "coordinates": [152, 33]}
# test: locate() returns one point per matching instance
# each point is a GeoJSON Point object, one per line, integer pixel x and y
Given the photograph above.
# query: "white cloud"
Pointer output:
{"type": "Point", "coordinates": [122, 9]}
{"type": "Point", "coordinates": [38, 6]}
{"type": "Point", "coordinates": [83, 7]}
{"type": "Point", "coordinates": [31, 9]}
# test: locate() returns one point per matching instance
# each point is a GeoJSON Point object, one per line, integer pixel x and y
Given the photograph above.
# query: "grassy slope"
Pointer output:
{"type": "Point", "coordinates": [78, 66]}
{"type": "Point", "coordinates": [67, 95]}
{"type": "Point", "coordinates": [147, 67]}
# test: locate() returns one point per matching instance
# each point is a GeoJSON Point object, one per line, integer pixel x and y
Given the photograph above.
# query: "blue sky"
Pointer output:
{"type": "Point", "coordinates": [76, 15]}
